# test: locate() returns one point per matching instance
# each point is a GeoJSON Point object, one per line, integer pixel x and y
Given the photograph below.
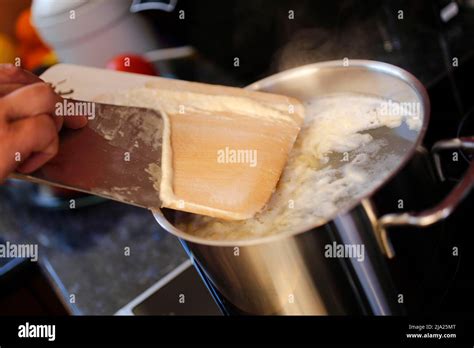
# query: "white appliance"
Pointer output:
{"type": "Point", "coordinates": [91, 32]}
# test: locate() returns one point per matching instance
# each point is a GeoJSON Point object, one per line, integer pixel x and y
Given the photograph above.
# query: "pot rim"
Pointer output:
{"type": "Point", "coordinates": [381, 67]}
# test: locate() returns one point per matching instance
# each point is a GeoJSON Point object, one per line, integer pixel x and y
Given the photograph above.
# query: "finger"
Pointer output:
{"type": "Point", "coordinates": [10, 87]}
{"type": "Point", "coordinates": [30, 100]}
{"type": "Point", "coordinates": [25, 137]}
{"type": "Point", "coordinates": [38, 159]}
{"type": "Point", "coordinates": [7, 88]}
{"type": "Point", "coordinates": [13, 78]}
{"type": "Point", "coordinates": [12, 74]}
{"type": "Point", "coordinates": [73, 113]}
{"type": "Point", "coordinates": [74, 121]}
{"type": "Point", "coordinates": [41, 99]}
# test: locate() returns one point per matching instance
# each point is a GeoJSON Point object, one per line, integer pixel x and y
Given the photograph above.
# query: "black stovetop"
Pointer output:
{"type": "Point", "coordinates": [85, 247]}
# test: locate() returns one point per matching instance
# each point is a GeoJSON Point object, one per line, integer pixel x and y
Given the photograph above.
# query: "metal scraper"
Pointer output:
{"type": "Point", "coordinates": [211, 150]}
{"type": "Point", "coordinates": [108, 157]}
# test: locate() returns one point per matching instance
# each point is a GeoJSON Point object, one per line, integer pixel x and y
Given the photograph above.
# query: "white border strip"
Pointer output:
{"type": "Point", "coordinates": [128, 308]}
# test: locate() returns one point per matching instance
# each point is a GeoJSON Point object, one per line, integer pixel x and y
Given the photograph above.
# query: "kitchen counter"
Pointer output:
{"type": "Point", "coordinates": [86, 247]}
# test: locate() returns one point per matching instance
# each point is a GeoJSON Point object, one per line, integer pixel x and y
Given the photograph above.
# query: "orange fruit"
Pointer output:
{"type": "Point", "coordinates": [25, 31]}
{"type": "Point", "coordinates": [33, 57]}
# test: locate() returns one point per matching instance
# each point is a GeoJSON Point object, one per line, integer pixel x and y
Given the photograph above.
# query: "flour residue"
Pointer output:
{"type": "Point", "coordinates": [181, 102]}
{"type": "Point", "coordinates": [118, 193]}
{"type": "Point", "coordinates": [126, 127]}
{"type": "Point", "coordinates": [344, 150]}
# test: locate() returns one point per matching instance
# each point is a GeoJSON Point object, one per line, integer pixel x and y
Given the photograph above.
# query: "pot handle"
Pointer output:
{"type": "Point", "coordinates": [443, 209]}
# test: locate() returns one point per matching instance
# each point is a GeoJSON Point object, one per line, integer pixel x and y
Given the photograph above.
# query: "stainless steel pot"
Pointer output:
{"type": "Point", "coordinates": [288, 273]}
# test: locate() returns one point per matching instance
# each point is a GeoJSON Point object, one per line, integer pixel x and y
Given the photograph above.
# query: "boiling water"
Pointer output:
{"type": "Point", "coordinates": [347, 146]}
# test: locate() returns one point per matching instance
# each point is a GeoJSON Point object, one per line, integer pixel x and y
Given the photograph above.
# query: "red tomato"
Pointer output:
{"type": "Point", "coordinates": [131, 63]}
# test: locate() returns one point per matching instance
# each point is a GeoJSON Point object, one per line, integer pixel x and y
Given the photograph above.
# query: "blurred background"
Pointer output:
{"type": "Point", "coordinates": [82, 267]}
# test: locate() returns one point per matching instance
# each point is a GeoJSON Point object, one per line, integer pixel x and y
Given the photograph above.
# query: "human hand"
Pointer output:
{"type": "Point", "coordinates": [28, 124]}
